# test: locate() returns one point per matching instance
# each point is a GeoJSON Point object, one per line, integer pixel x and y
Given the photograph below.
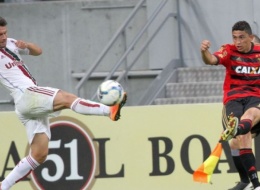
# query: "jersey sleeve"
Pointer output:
{"type": "Point", "coordinates": [222, 55]}
{"type": "Point", "coordinates": [21, 51]}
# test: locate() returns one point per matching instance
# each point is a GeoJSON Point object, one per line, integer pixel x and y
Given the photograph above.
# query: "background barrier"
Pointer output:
{"type": "Point", "coordinates": [150, 148]}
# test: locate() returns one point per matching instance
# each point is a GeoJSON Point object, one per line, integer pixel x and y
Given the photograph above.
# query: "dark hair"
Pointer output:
{"type": "Point", "coordinates": [242, 26]}
{"type": "Point", "coordinates": [2, 22]}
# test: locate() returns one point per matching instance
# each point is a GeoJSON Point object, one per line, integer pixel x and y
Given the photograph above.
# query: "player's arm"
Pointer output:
{"type": "Point", "coordinates": [33, 48]}
{"type": "Point", "coordinates": [207, 57]}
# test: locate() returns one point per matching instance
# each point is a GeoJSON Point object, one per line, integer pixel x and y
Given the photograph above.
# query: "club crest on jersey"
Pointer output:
{"type": "Point", "coordinates": [247, 70]}
{"type": "Point", "coordinates": [13, 64]}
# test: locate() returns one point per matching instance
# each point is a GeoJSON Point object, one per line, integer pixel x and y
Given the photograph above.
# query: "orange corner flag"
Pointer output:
{"type": "Point", "coordinates": [204, 172]}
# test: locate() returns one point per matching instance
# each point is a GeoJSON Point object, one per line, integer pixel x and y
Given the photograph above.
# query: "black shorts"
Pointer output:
{"type": "Point", "coordinates": [238, 107]}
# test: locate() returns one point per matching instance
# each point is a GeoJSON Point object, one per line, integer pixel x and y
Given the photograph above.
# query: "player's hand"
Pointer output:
{"type": "Point", "coordinates": [205, 45]}
{"type": "Point", "coordinates": [21, 44]}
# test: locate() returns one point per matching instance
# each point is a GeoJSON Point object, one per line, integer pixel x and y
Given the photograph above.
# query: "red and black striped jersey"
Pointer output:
{"type": "Point", "coordinates": [242, 71]}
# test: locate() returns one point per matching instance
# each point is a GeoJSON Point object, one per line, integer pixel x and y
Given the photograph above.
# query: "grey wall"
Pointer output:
{"type": "Point", "coordinates": [73, 34]}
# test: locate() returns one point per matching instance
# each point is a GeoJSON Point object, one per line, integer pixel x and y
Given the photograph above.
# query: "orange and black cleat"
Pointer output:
{"type": "Point", "coordinates": [115, 110]}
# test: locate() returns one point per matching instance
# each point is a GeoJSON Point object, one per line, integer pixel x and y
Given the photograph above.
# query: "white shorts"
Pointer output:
{"type": "Point", "coordinates": [33, 108]}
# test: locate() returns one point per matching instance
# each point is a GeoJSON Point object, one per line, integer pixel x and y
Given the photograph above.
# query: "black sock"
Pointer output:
{"type": "Point", "coordinates": [241, 170]}
{"type": "Point", "coordinates": [248, 160]}
{"type": "Point", "coordinates": [244, 126]}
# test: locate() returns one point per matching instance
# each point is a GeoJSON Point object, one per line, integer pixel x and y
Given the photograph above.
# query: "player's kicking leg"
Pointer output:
{"type": "Point", "coordinates": [64, 100]}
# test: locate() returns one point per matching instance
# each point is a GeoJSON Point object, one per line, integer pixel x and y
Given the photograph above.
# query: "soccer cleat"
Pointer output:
{"type": "Point", "coordinates": [231, 129]}
{"type": "Point", "coordinates": [242, 186]}
{"type": "Point", "coordinates": [115, 110]}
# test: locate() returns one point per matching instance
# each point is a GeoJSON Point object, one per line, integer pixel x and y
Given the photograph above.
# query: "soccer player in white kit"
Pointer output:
{"type": "Point", "coordinates": [33, 104]}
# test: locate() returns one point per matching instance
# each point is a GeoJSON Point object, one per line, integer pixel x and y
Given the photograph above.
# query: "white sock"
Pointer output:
{"type": "Point", "coordinates": [21, 170]}
{"type": "Point", "coordinates": [88, 107]}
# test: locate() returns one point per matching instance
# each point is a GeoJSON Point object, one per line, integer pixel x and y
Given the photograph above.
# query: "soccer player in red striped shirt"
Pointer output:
{"type": "Point", "coordinates": [241, 88]}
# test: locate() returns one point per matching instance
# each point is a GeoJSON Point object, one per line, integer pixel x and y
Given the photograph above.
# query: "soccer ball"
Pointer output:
{"type": "Point", "coordinates": [110, 92]}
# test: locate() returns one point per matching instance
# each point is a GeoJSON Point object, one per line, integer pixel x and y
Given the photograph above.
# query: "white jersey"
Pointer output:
{"type": "Point", "coordinates": [33, 104]}
{"type": "Point", "coordinates": [14, 74]}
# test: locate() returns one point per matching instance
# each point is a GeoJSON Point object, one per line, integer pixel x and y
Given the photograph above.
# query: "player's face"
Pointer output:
{"type": "Point", "coordinates": [242, 40]}
{"type": "Point", "coordinates": [3, 36]}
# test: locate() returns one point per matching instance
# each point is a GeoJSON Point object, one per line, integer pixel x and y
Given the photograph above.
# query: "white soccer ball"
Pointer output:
{"type": "Point", "coordinates": [110, 92]}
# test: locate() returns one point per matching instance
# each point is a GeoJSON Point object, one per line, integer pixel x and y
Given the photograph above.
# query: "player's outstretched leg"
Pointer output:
{"type": "Point", "coordinates": [115, 110]}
